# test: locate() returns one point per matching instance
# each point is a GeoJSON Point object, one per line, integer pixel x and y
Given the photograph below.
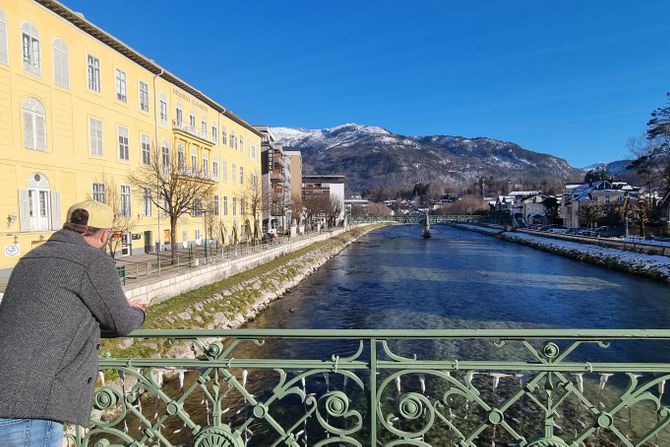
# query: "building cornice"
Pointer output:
{"type": "Point", "coordinates": [92, 30]}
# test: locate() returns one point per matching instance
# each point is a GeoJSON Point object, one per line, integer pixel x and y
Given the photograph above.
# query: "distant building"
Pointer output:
{"type": "Point", "coordinates": [295, 168]}
{"type": "Point", "coordinates": [276, 181]}
{"type": "Point", "coordinates": [603, 192]}
{"type": "Point", "coordinates": [333, 185]}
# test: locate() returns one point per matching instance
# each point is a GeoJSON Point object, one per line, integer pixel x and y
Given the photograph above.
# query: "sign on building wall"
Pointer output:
{"type": "Point", "coordinates": [13, 250]}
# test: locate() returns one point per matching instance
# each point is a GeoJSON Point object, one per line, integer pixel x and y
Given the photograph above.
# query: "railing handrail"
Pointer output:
{"type": "Point", "coordinates": [381, 334]}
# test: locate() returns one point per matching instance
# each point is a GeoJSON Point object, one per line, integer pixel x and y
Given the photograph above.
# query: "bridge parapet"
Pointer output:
{"type": "Point", "coordinates": [262, 387]}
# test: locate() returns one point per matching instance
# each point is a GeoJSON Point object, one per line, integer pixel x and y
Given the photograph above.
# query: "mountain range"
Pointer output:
{"type": "Point", "coordinates": [371, 156]}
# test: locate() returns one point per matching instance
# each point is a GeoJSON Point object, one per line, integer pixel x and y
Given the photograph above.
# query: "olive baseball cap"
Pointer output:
{"type": "Point", "coordinates": [91, 213]}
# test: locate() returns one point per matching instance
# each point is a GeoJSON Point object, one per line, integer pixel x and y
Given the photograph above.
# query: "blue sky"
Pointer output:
{"type": "Point", "coordinates": [576, 79]}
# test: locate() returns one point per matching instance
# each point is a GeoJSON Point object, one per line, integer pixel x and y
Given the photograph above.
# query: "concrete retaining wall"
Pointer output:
{"type": "Point", "coordinates": [158, 289]}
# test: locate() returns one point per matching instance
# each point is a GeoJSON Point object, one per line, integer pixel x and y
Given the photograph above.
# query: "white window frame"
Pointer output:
{"type": "Point", "coordinates": [179, 115]}
{"type": "Point", "coordinates": [94, 81]}
{"type": "Point", "coordinates": [215, 134]}
{"type": "Point", "coordinates": [144, 96]}
{"type": "Point", "coordinates": [233, 173]}
{"type": "Point", "coordinates": [98, 190]}
{"type": "Point", "coordinates": [181, 157]}
{"type": "Point", "coordinates": [121, 83]}
{"type": "Point", "coordinates": [146, 202]}
{"type": "Point", "coordinates": [4, 55]}
{"type": "Point", "coordinates": [95, 137]}
{"type": "Point", "coordinates": [145, 148]}
{"type": "Point", "coordinates": [224, 170]}
{"type": "Point", "coordinates": [215, 169]}
{"type": "Point", "coordinates": [122, 139]}
{"type": "Point", "coordinates": [125, 206]}
{"type": "Point", "coordinates": [61, 63]}
{"type": "Point", "coordinates": [241, 175]}
{"type": "Point", "coordinates": [163, 108]}
{"type": "Point", "coordinates": [225, 205]}
{"type": "Point", "coordinates": [205, 165]}
{"type": "Point", "coordinates": [194, 162]}
{"type": "Point", "coordinates": [30, 48]}
{"type": "Point", "coordinates": [165, 154]}
{"type": "Point", "coordinates": [34, 125]}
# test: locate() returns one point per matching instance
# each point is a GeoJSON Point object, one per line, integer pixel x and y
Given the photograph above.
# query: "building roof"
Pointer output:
{"type": "Point", "coordinates": [89, 28]}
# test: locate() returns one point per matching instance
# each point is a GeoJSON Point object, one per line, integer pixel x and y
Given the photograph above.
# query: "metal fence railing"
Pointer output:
{"type": "Point", "coordinates": [467, 388]}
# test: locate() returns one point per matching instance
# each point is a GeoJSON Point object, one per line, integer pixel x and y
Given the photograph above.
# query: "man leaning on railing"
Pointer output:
{"type": "Point", "coordinates": [59, 298]}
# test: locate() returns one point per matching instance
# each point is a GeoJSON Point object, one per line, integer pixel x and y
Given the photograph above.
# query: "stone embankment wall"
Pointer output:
{"type": "Point", "coordinates": [231, 302]}
{"type": "Point", "coordinates": [156, 290]}
{"type": "Point", "coordinates": [650, 266]}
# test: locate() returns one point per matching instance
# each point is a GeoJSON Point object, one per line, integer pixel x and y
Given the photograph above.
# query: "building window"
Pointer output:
{"type": "Point", "coordinates": [233, 140]}
{"type": "Point", "coordinates": [197, 207]}
{"type": "Point", "coordinates": [241, 175]}
{"type": "Point", "coordinates": [234, 206]}
{"type": "Point", "coordinates": [123, 142]}
{"type": "Point", "coordinates": [34, 125]}
{"type": "Point", "coordinates": [215, 169]}
{"type": "Point", "coordinates": [39, 207]}
{"type": "Point", "coordinates": [61, 64]}
{"type": "Point", "coordinates": [242, 207]}
{"type": "Point", "coordinates": [224, 170]}
{"type": "Point", "coordinates": [93, 73]}
{"type": "Point", "coordinates": [253, 151]}
{"type": "Point", "coordinates": [203, 128]}
{"type": "Point", "coordinates": [3, 38]}
{"type": "Point", "coordinates": [215, 134]}
{"type": "Point", "coordinates": [241, 144]}
{"type": "Point", "coordinates": [224, 137]}
{"type": "Point", "coordinates": [164, 108]}
{"type": "Point", "coordinates": [205, 166]}
{"type": "Point", "coordinates": [125, 201]}
{"type": "Point", "coordinates": [146, 202]}
{"type": "Point", "coordinates": [225, 205]}
{"type": "Point", "coordinates": [99, 192]}
{"type": "Point", "coordinates": [181, 163]}
{"type": "Point", "coordinates": [179, 115]}
{"type": "Point", "coordinates": [145, 141]}
{"type": "Point", "coordinates": [233, 173]}
{"type": "Point", "coordinates": [144, 96]}
{"type": "Point", "coordinates": [31, 48]}
{"type": "Point", "coordinates": [121, 90]}
{"type": "Point", "coordinates": [194, 162]}
{"type": "Point", "coordinates": [165, 151]}
{"type": "Point", "coordinates": [95, 136]}
{"type": "Point", "coordinates": [216, 205]}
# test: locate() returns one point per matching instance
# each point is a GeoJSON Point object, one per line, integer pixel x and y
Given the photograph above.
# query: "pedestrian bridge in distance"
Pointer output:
{"type": "Point", "coordinates": [436, 219]}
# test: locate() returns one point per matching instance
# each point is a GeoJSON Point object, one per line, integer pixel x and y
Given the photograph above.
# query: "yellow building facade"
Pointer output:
{"type": "Point", "coordinates": [80, 110]}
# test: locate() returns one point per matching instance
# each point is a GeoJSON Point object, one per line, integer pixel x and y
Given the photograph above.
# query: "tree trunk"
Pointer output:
{"type": "Point", "coordinates": [173, 240]}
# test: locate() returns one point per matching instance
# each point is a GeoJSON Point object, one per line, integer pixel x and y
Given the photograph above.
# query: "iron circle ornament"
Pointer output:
{"type": "Point", "coordinates": [548, 442]}
{"type": "Point", "coordinates": [220, 436]}
{"type": "Point", "coordinates": [551, 350]}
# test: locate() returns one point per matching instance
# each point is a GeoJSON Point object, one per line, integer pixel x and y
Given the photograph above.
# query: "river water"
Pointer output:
{"type": "Point", "coordinates": [392, 278]}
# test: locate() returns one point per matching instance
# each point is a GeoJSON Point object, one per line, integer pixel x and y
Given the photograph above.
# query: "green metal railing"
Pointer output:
{"type": "Point", "coordinates": [512, 387]}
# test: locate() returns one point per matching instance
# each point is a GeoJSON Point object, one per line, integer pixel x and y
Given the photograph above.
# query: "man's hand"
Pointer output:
{"type": "Point", "coordinates": [137, 302]}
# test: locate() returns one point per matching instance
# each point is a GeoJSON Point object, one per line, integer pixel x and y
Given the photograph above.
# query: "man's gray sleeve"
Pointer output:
{"type": "Point", "coordinates": [102, 293]}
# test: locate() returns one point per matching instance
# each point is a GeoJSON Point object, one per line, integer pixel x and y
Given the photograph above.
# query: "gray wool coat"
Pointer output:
{"type": "Point", "coordinates": [59, 297]}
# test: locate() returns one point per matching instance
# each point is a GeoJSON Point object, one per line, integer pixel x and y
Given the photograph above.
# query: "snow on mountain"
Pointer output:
{"type": "Point", "coordinates": [374, 156]}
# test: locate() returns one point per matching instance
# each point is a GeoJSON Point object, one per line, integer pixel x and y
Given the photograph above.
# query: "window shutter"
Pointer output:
{"type": "Point", "coordinates": [56, 221]}
{"type": "Point", "coordinates": [24, 210]}
{"type": "Point", "coordinates": [28, 131]}
{"type": "Point", "coordinates": [3, 42]}
{"type": "Point", "coordinates": [40, 134]}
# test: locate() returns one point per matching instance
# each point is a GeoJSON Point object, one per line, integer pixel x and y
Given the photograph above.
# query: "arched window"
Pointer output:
{"type": "Point", "coordinates": [30, 39]}
{"type": "Point", "coordinates": [39, 207]}
{"type": "Point", "coordinates": [3, 38]}
{"type": "Point", "coordinates": [34, 125]}
{"type": "Point", "coordinates": [61, 63]}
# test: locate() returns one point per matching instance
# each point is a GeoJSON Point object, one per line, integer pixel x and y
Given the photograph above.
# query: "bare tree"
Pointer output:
{"type": "Point", "coordinates": [123, 220]}
{"type": "Point", "coordinates": [469, 204]}
{"type": "Point", "coordinates": [316, 205]}
{"type": "Point", "coordinates": [254, 203]}
{"type": "Point", "coordinates": [333, 210]}
{"type": "Point", "coordinates": [177, 188]}
{"type": "Point", "coordinates": [590, 213]}
{"type": "Point", "coordinates": [297, 208]}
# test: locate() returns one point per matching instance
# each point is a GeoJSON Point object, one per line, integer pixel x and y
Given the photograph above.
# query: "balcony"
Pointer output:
{"type": "Point", "coordinates": [277, 176]}
{"type": "Point", "coordinates": [192, 131]}
{"type": "Point", "coordinates": [465, 387]}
